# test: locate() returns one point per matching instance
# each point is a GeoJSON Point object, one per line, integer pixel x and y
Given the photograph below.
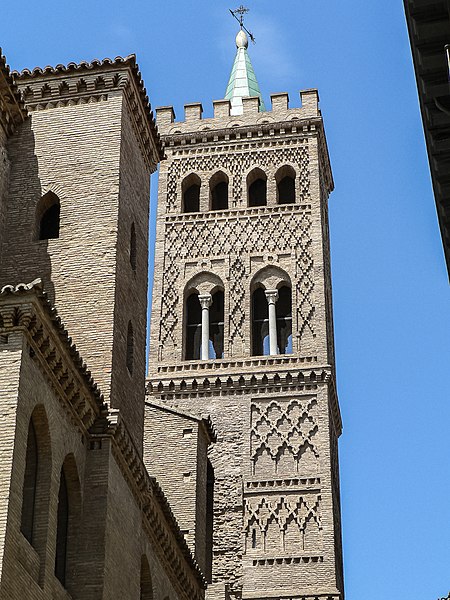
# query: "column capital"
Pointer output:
{"type": "Point", "coordinates": [271, 295]}
{"type": "Point", "coordinates": [205, 300]}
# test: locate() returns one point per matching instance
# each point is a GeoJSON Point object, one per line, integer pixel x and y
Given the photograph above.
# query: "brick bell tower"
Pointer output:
{"type": "Point", "coordinates": [242, 330]}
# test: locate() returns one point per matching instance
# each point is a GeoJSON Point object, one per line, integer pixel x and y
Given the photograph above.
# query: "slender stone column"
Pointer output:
{"type": "Point", "coordinates": [272, 297]}
{"type": "Point", "coordinates": [205, 303]}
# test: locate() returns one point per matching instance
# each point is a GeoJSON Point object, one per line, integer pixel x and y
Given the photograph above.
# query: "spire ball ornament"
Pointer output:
{"type": "Point", "coordinates": [241, 40]}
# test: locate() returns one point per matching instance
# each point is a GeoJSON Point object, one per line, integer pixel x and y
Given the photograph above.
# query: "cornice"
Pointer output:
{"type": "Point", "coordinates": [26, 308]}
{"type": "Point", "coordinates": [81, 83]}
{"type": "Point", "coordinates": [258, 376]}
{"type": "Point", "coordinates": [12, 109]}
{"type": "Point", "coordinates": [245, 133]}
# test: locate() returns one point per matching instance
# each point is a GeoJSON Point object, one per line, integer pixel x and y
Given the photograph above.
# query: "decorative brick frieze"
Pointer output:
{"type": "Point", "coordinates": [12, 109]}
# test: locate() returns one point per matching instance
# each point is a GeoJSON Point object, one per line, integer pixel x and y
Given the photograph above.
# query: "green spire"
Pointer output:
{"type": "Point", "coordinates": [242, 81]}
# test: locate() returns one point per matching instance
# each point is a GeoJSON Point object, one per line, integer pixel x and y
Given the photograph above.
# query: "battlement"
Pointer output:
{"type": "Point", "coordinates": [193, 113]}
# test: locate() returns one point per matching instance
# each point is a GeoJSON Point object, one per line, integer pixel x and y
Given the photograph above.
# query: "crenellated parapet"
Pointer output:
{"type": "Point", "coordinates": [223, 119]}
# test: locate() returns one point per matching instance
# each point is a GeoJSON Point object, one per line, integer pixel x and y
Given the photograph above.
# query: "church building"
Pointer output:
{"type": "Point", "coordinates": [217, 476]}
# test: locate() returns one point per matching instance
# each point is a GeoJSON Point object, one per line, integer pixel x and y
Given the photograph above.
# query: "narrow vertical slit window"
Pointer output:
{"type": "Point", "coordinates": [209, 519]}
{"type": "Point", "coordinates": [62, 529]}
{"type": "Point", "coordinates": [48, 217]}
{"type": "Point", "coordinates": [146, 580]}
{"type": "Point", "coordinates": [30, 484]}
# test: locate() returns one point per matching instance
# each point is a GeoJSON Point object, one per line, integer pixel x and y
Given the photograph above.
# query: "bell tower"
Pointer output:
{"type": "Point", "coordinates": [242, 331]}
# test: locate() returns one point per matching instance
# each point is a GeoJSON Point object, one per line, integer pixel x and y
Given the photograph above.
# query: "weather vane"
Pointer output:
{"type": "Point", "coordinates": [241, 11]}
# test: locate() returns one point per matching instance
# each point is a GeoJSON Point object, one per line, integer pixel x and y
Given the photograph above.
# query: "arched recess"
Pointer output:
{"type": "Point", "coordinates": [257, 188]}
{"type": "Point", "coordinates": [36, 482]}
{"type": "Point", "coordinates": [204, 284]}
{"type": "Point", "coordinates": [285, 178]}
{"type": "Point", "coordinates": [67, 526]}
{"type": "Point", "coordinates": [48, 213]}
{"type": "Point", "coordinates": [146, 588]}
{"type": "Point", "coordinates": [218, 191]}
{"type": "Point", "coordinates": [190, 191]}
{"type": "Point", "coordinates": [271, 279]}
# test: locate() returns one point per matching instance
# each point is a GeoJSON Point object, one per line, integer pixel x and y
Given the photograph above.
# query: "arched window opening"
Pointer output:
{"type": "Point", "coordinates": [283, 309]}
{"type": "Point", "coordinates": [62, 529]}
{"type": "Point", "coordinates": [257, 188]}
{"type": "Point", "coordinates": [146, 580]}
{"type": "Point", "coordinates": [219, 191]}
{"type": "Point", "coordinates": [48, 216]}
{"type": "Point", "coordinates": [193, 327]}
{"type": "Point", "coordinates": [130, 348]}
{"type": "Point", "coordinates": [191, 194]}
{"type": "Point", "coordinates": [285, 178]}
{"type": "Point", "coordinates": [260, 323]}
{"type": "Point", "coordinates": [133, 247]}
{"type": "Point", "coordinates": [216, 323]}
{"type": "Point", "coordinates": [30, 484]}
{"type": "Point", "coordinates": [67, 525]}
{"type": "Point", "coordinates": [209, 520]}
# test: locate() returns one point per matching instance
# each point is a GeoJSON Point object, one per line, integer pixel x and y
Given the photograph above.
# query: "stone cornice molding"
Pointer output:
{"type": "Point", "coordinates": [244, 211]}
{"type": "Point", "coordinates": [85, 82]}
{"type": "Point", "coordinates": [26, 308]}
{"type": "Point", "coordinates": [12, 109]}
{"type": "Point", "coordinates": [291, 378]}
{"type": "Point", "coordinates": [158, 519]}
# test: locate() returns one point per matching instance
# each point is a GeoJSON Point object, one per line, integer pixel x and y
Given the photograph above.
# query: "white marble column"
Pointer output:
{"type": "Point", "coordinates": [205, 302]}
{"type": "Point", "coordinates": [272, 297]}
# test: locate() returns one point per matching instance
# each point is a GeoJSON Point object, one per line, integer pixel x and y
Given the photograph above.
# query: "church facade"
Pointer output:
{"type": "Point", "coordinates": [217, 476]}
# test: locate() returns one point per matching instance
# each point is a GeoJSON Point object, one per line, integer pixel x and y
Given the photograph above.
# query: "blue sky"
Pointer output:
{"type": "Point", "coordinates": [391, 291]}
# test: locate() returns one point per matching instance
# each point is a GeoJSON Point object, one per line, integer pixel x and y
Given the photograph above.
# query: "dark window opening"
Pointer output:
{"type": "Point", "coordinates": [219, 196]}
{"type": "Point", "coordinates": [257, 193]}
{"type": "Point", "coordinates": [254, 538]}
{"type": "Point", "coordinates": [216, 323]}
{"type": "Point", "coordinates": [286, 190]}
{"type": "Point", "coordinates": [62, 530]}
{"type": "Point", "coordinates": [133, 247]}
{"type": "Point", "coordinates": [260, 323]}
{"type": "Point", "coordinates": [130, 348]}
{"type": "Point", "coordinates": [29, 484]}
{"type": "Point", "coordinates": [146, 580]}
{"type": "Point", "coordinates": [283, 308]}
{"type": "Point", "coordinates": [49, 224]}
{"type": "Point", "coordinates": [191, 199]}
{"type": "Point", "coordinates": [193, 328]}
{"type": "Point", "coordinates": [209, 519]}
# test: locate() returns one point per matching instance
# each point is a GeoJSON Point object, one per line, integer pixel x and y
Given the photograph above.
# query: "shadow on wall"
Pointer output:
{"type": "Point", "coordinates": [32, 217]}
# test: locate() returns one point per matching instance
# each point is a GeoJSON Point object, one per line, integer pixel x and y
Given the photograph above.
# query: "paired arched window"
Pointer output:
{"type": "Point", "coordinates": [146, 580]}
{"type": "Point", "coordinates": [218, 186]}
{"type": "Point", "coordinates": [67, 523]}
{"type": "Point", "coordinates": [257, 188]}
{"type": "Point", "coordinates": [48, 217]}
{"type": "Point", "coordinates": [36, 482]}
{"type": "Point", "coordinates": [204, 325]}
{"type": "Point", "coordinates": [272, 321]}
{"type": "Point", "coordinates": [190, 189]}
{"type": "Point", "coordinates": [285, 178]}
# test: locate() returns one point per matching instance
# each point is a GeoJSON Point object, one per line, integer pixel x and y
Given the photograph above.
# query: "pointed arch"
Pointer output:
{"type": "Point", "coordinates": [257, 187]}
{"type": "Point", "coordinates": [190, 191]}
{"type": "Point", "coordinates": [218, 191]}
{"type": "Point", "coordinates": [285, 178]}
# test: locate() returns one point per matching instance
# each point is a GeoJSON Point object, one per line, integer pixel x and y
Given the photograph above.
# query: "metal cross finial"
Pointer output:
{"type": "Point", "coordinates": [241, 11]}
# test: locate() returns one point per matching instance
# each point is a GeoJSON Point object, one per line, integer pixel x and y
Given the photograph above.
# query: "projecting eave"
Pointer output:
{"type": "Point", "coordinates": [12, 109]}
{"type": "Point", "coordinates": [429, 32]}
